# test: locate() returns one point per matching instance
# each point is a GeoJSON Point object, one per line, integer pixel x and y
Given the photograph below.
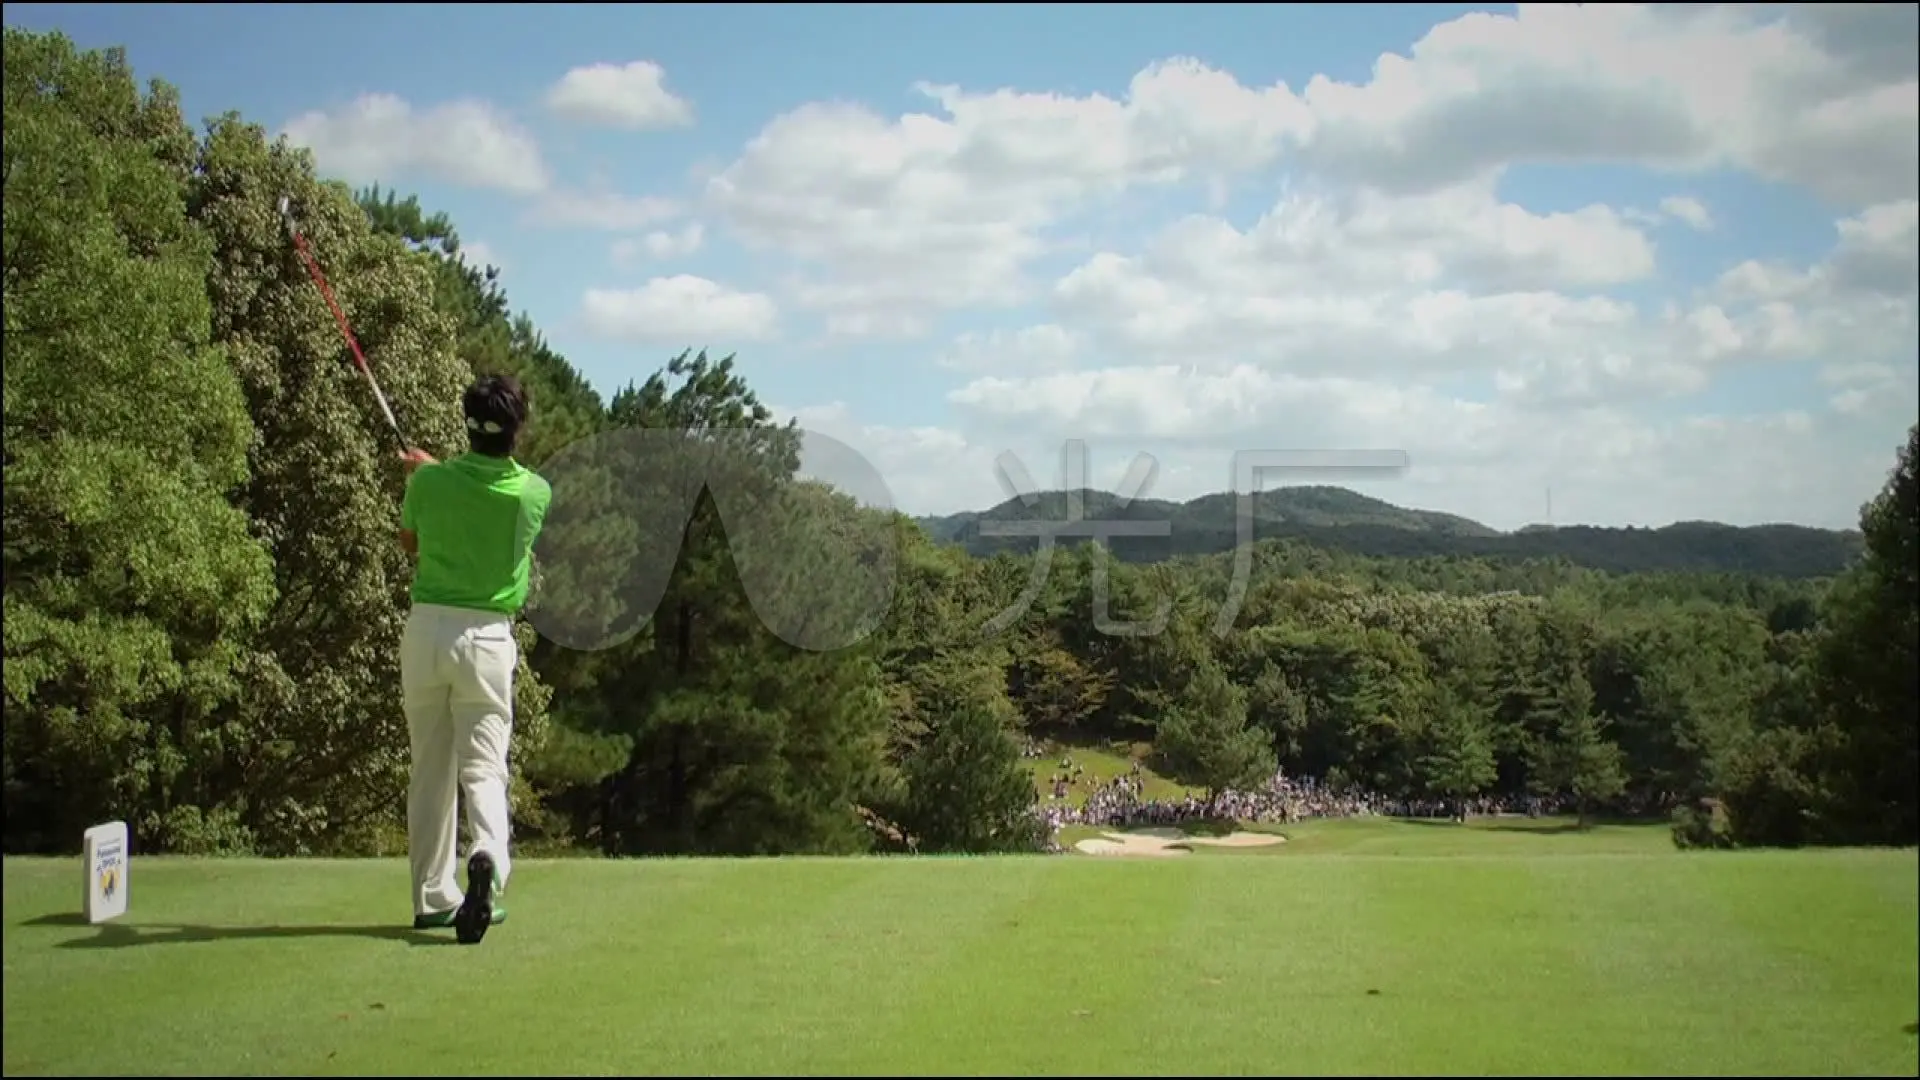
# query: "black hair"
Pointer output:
{"type": "Point", "coordinates": [495, 408]}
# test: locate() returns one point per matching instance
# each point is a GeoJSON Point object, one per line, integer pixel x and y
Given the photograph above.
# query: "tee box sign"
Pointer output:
{"type": "Point", "coordinates": [106, 859]}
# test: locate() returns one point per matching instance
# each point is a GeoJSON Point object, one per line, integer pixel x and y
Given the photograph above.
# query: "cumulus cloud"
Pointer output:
{"type": "Point", "coordinates": [1680, 86]}
{"type": "Point", "coordinates": [911, 216]}
{"type": "Point", "coordinates": [481, 254]}
{"type": "Point", "coordinates": [1429, 287]}
{"type": "Point", "coordinates": [633, 96]}
{"type": "Point", "coordinates": [897, 219]}
{"type": "Point", "coordinates": [1183, 351]}
{"type": "Point", "coordinates": [682, 310]}
{"type": "Point", "coordinates": [660, 244]}
{"type": "Point", "coordinates": [1211, 298]}
{"type": "Point", "coordinates": [381, 137]}
{"type": "Point", "coordinates": [1033, 348]}
{"type": "Point", "coordinates": [1688, 210]}
{"type": "Point", "coordinates": [1856, 305]}
{"type": "Point", "coordinates": [1195, 264]}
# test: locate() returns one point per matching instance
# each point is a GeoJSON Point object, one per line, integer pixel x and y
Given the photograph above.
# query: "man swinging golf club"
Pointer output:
{"type": "Point", "coordinates": [470, 523]}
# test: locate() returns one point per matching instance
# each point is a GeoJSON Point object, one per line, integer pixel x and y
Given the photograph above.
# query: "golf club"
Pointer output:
{"type": "Point", "coordinates": [339, 316]}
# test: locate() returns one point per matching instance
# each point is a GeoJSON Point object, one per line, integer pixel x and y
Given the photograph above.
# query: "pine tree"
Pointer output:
{"type": "Point", "coordinates": [1458, 761]}
{"type": "Point", "coordinates": [1204, 739]}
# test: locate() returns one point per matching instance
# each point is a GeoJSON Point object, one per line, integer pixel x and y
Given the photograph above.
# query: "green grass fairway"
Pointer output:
{"type": "Point", "coordinates": [1359, 948]}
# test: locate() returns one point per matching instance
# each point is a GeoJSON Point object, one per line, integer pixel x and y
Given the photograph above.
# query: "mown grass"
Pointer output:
{"type": "Point", "coordinates": [1359, 948]}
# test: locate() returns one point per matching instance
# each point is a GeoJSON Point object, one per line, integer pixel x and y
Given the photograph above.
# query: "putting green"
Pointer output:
{"type": "Point", "coordinates": [1579, 961]}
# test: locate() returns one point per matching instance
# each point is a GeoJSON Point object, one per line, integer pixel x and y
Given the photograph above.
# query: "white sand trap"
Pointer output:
{"type": "Point", "coordinates": [1239, 839]}
{"type": "Point", "coordinates": [1130, 844]}
{"type": "Point", "coordinates": [1162, 843]}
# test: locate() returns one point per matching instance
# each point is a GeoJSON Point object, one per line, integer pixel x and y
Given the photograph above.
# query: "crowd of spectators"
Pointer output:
{"type": "Point", "coordinates": [1121, 801]}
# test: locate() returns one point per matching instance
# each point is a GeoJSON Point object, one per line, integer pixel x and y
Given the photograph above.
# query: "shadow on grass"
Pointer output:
{"type": "Point", "coordinates": [1551, 827]}
{"type": "Point", "coordinates": [1178, 829]}
{"type": "Point", "coordinates": [1209, 826]}
{"type": "Point", "coordinates": [120, 936]}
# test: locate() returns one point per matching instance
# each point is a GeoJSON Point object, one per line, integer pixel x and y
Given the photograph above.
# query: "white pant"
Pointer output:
{"type": "Point", "coordinates": [456, 682]}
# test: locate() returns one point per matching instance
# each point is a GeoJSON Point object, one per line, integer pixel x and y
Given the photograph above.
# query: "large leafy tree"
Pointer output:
{"type": "Point", "coordinates": [967, 790]}
{"type": "Point", "coordinates": [1457, 759]}
{"type": "Point", "coordinates": [1205, 740]}
{"type": "Point", "coordinates": [1869, 677]}
{"type": "Point", "coordinates": [326, 748]}
{"type": "Point", "coordinates": [132, 585]}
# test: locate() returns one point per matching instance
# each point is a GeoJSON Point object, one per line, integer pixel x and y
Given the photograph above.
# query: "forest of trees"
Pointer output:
{"type": "Point", "coordinates": [203, 596]}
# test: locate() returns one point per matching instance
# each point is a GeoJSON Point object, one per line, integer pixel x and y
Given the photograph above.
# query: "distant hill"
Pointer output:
{"type": "Point", "coordinates": [1346, 520]}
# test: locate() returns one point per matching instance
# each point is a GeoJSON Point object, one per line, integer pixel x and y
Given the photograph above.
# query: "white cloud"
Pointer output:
{"type": "Point", "coordinates": [1045, 347]}
{"type": "Point", "coordinates": [1395, 293]}
{"type": "Point", "coordinates": [633, 96]}
{"type": "Point", "coordinates": [912, 216]}
{"type": "Point", "coordinates": [660, 244]}
{"type": "Point", "coordinates": [1855, 310]}
{"type": "Point", "coordinates": [380, 137]}
{"type": "Point", "coordinates": [1688, 210]}
{"type": "Point", "coordinates": [1489, 461]}
{"type": "Point", "coordinates": [1428, 287]}
{"type": "Point", "coordinates": [480, 254]}
{"type": "Point", "coordinates": [898, 219]}
{"type": "Point", "coordinates": [603, 210]}
{"type": "Point", "coordinates": [1681, 86]}
{"type": "Point", "coordinates": [1310, 331]}
{"type": "Point", "coordinates": [926, 469]}
{"type": "Point", "coordinates": [681, 310]}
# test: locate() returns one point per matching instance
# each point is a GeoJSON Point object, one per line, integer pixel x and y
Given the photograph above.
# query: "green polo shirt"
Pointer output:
{"type": "Point", "coordinates": [476, 518]}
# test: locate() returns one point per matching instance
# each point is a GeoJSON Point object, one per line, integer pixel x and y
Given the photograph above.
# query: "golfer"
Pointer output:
{"type": "Point", "coordinates": [470, 524]}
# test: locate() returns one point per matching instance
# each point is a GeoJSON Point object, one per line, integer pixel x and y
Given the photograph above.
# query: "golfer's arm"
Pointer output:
{"type": "Point", "coordinates": [411, 461]}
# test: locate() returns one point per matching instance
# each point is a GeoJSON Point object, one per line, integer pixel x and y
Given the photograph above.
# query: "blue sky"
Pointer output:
{"type": "Point", "coordinates": [1511, 246]}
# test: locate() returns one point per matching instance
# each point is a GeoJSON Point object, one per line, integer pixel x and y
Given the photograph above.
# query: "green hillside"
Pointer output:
{"type": "Point", "coordinates": [1343, 520]}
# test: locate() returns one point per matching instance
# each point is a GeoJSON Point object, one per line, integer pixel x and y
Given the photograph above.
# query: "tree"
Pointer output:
{"type": "Point", "coordinates": [1867, 663]}
{"type": "Point", "coordinates": [1054, 689]}
{"type": "Point", "coordinates": [745, 737]}
{"type": "Point", "coordinates": [327, 746]}
{"type": "Point", "coordinates": [566, 408]}
{"type": "Point", "coordinates": [1595, 773]}
{"type": "Point", "coordinates": [1204, 739]}
{"type": "Point", "coordinates": [1579, 760]}
{"type": "Point", "coordinates": [967, 790]}
{"type": "Point", "coordinates": [131, 584]}
{"type": "Point", "coordinates": [1457, 762]}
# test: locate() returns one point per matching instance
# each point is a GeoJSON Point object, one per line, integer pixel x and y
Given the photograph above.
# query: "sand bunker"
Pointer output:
{"type": "Point", "coordinates": [1162, 843]}
{"type": "Point", "coordinates": [1123, 844]}
{"type": "Point", "coordinates": [1239, 839]}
